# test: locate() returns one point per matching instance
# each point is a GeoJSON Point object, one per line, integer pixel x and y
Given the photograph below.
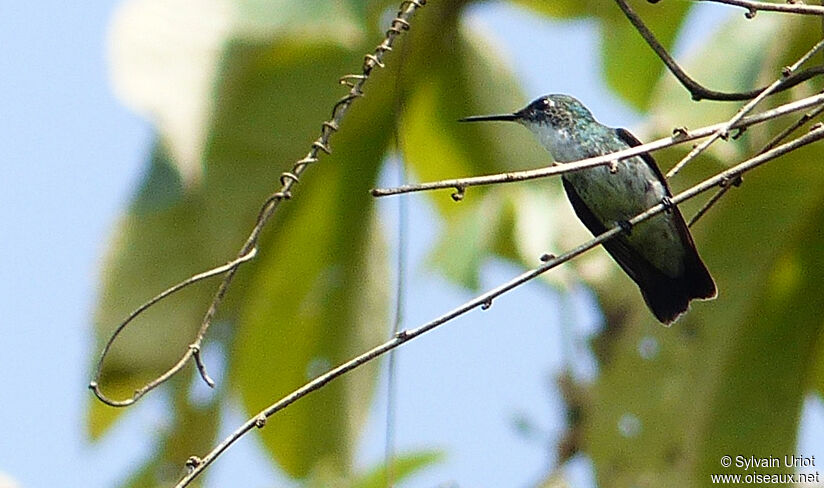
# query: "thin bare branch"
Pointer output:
{"type": "Point", "coordinates": [771, 144]}
{"type": "Point", "coordinates": [723, 131]}
{"type": "Point", "coordinates": [485, 301]}
{"type": "Point", "coordinates": [792, 127]}
{"type": "Point", "coordinates": [355, 82]}
{"type": "Point", "coordinates": [725, 187]}
{"type": "Point", "coordinates": [752, 7]}
{"type": "Point", "coordinates": [698, 91]}
{"type": "Point", "coordinates": [679, 136]}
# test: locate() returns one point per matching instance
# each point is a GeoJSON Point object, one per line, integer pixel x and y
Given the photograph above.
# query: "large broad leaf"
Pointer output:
{"type": "Point", "coordinates": [730, 376]}
{"type": "Point", "coordinates": [463, 78]}
{"type": "Point", "coordinates": [318, 298]}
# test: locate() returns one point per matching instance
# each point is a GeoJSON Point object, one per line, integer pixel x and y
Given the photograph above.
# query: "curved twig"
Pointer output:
{"type": "Point", "coordinates": [288, 179]}
{"type": "Point", "coordinates": [723, 131]}
{"type": "Point", "coordinates": [94, 384]}
{"type": "Point", "coordinates": [698, 91]}
{"type": "Point", "coordinates": [484, 301]}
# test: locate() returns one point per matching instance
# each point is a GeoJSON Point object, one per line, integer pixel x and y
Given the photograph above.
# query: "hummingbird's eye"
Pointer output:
{"type": "Point", "coordinates": [547, 103]}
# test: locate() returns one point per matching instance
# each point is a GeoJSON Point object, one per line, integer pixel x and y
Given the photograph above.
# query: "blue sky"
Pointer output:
{"type": "Point", "coordinates": [71, 156]}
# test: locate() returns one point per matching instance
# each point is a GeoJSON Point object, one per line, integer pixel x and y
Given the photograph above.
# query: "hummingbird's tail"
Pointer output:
{"type": "Point", "coordinates": [668, 297]}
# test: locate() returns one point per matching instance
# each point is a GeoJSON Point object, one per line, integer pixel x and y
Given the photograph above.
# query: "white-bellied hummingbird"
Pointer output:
{"type": "Point", "coordinates": [659, 253]}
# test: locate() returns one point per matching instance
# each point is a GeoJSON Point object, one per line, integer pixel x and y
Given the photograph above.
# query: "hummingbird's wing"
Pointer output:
{"type": "Point", "coordinates": [699, 280]}
{"type": "Point", "coordinates": [667, 296]}
{"type": "Point", "coordinates": [633, 141]}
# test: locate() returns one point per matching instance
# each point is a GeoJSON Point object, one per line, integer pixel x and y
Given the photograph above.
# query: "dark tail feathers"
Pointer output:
{"type": "Point", "coordinates": [668, 297]}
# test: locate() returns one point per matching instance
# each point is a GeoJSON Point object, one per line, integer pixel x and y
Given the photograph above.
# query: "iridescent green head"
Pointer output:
{"type": "Point", "coordinates": [556, 111]}
{"type": "Point", "coordinates": [560, 122]}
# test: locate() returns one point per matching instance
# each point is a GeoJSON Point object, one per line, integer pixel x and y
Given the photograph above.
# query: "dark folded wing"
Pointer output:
{"type": "Point", "coordinates": [698, 279]}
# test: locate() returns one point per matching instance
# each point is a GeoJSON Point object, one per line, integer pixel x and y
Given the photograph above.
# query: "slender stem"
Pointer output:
{"type": "Point", "coordinates": [679, 137]}
{"type": "Point", "coordinates": [94, 384]}
{"type": "Point", "coordinates": [698, 91]}
{"type": "Point", "coordinates": [197, 465]}
{"type": "Point", "coordinates": [400, 283]}
{"type": "Point", "coordinates": [771, 144]}
{"type": "Point", "coordinates": [725, 128]}
{"type": "Point", "coordinates": [753, 6]}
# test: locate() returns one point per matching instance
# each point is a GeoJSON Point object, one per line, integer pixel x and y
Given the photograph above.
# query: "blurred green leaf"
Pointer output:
{"type": "Point", "coordinates": [157, 244]}
{"type": "Point", "coordinates": [631, 68]}
{"type": "Point", "coordinates": [231, 127]}
{"type": "Point", "coordinates": [563, 8]}
{"type": "Point", "coordinates": [318, 296]}
{"type": "Point", "coordinates": [303, 317]}
{"type": "Point", "coordinates": [469, 239]}
{"type": "Point", "coordinates": [325, 475]}
{"type": "Point", "coordinates": [403, 467]}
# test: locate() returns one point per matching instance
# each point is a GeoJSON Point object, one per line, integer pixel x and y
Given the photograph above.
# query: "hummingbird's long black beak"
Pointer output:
{"type": "Point", "coordinates": [484, 118]}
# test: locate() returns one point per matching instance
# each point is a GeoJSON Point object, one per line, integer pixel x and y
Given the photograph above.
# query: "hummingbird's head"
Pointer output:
{"type": "Point", "coordinates": [556, 120]}
{"type": "Point", "coordinates": [558, 112]}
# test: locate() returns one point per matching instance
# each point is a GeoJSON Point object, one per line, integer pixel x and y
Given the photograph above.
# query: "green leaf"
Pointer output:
{"type": "Point", "coordinates": [631, 68]}
{"type": "Point", "coordinates": [318, 294]}
{"type": "Point", "coordinates": [403, 467]}
{"type": "Point", "coordinates": [157, 244]}
{"type": "Point", "coordinates": [295, 329]}
{"type": "Point", "coordinates": [213, 165]}
{"type": "Point", "coordinates": [564, 9]}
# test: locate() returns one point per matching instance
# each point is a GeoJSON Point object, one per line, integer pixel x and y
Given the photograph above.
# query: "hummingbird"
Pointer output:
{"type": "Point", "coordinates": [658, 254]}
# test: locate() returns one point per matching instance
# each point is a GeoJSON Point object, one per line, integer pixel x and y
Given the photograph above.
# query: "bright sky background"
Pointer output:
{"type": "Point", "coordinates": [71, 155]}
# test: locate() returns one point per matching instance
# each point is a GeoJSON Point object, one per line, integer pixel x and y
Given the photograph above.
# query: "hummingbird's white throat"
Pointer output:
{"type": "Point", "coordinates": [559, 142]}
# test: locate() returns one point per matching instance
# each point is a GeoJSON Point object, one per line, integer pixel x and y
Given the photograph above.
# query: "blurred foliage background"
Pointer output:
{"type": "Point", "coordinates": [237, 89]}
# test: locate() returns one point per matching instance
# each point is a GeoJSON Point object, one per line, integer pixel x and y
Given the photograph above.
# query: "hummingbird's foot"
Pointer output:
{"type": "Point", "coordinates": [668, 205]}
{"type": "Point", "coordinates": [625, 226]}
